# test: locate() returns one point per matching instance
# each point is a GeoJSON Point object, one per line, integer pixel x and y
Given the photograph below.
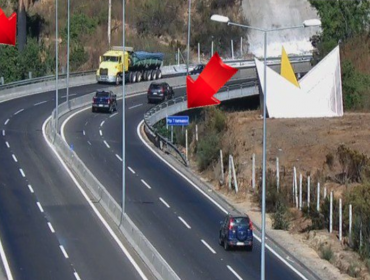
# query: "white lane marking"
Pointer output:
{"type": "Point", "coordinates": [77, 276]}
{"type": "Point", "coordinates": [184, 222]}
{"type": "Point", "coordinates": [7, 144]}
{"type": "Point", "coordinates": [40, 207]}
{"type": "Point", "coordinates": [233, 271]}
{"type": "Point", "coordinates": [101, 133]}
{"type": "Point", "coordinates": [146, 184]}
{"type": "Point", "coordinates": [22, 173]}
{"type": "Point", "coordinates": [106, 144]}
{"type": "Point", "coordinates": [102, 123]}
{"type": "Point", "coordinates": [42, 102]}
{"type": "Point", "coordinates": [63, 251]}
{"type": "Point", "coordinates": [212, 200]}
{"type": "Point", "coordinates": [31, 189]}
{"type": "Point", "coordinates": [135, 106]}
{"type": "Point", "coordinates": [6, 122]}
{"type": "Point", "coordinates": [83, 132]}
{"type": "Point", "coordinates": [15, 159]}
{"type": "Point", "coordinates": [132, 171]}
{"type": "Point", "coordinates": [111, 116]}
{"type": "Point", "coordinates": [5, 262]}
{"type": "Point", "coordinates": [51, 227]}
{"type": "Point", "coordinates": [164, 202]}
{"type": "Point", "coordinates": [209, 247]}
{"type": "Point", "coordinates": [3, 132]}
{"type": "Point", "coordinates": [117, 156]}
{"type": "Point", "coordinates": [86, 123]}
{"type": "Point", "coordinates": [88, 142]}
{"type": "Point", "coordinates": [16, 113]}
{"type": "Point", "coordinates": [104, 222]}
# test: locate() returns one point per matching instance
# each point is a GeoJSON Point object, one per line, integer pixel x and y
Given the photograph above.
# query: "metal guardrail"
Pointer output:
{"type": "Point", "coordinates": [157, 138]}
{"type": "Point", "coordinates": [44, 79]}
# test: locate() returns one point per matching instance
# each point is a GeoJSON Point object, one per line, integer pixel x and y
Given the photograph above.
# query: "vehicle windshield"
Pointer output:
{"type": "Point", "coordinates": [110, 58]}
{"type": "Point", "coordinates": [102, 94]}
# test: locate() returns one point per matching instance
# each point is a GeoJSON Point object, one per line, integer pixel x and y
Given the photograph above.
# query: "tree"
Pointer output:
{"type": "Point", "coordinates": [23, 6]}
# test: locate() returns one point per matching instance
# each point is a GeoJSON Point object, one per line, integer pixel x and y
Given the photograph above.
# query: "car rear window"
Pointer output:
{"type": "Point", "coordinates": [155, 86]}
{"type": "Point", "coordinates": [243, 221]}
{"type": "Point", "coordinates": [102, 94]}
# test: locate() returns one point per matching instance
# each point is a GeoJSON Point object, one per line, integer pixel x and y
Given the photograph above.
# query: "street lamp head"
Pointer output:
{"type": "Point", "coordinates": [312, 23]}
{"type": "Point", "coordinates": [220, 18]}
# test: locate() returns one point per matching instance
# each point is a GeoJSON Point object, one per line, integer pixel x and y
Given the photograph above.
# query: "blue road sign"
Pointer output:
{"type": "Point", "coordinates": [178, 120]}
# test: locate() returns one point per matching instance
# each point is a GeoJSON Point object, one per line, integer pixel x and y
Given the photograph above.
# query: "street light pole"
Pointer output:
{"type": "Point", "coordinates": [56, 67]}
{"type": "Point", "coordinates": [306, 23]}
{"type": "Point", "coordinates": [188, 53]}
{"type": "Point", "coordinates": [123, 111]}
{"type": "Point", "coordinates": [68, 24]}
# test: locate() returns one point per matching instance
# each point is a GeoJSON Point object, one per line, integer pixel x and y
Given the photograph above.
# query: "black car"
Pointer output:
{"type": "Point", "coordinates": [197, 69]}
{"type": "Point", "coordinates": [159, 91]}
{"type": "Point", "coordinates": [104, 100]}
{"type": "Point", "coordinates": [236, 231]}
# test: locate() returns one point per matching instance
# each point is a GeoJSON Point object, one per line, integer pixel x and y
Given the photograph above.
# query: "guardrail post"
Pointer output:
{"type": "Point", "coordinates": [2, 80]}
{"type": "Point", "coordinates": [30, 75]}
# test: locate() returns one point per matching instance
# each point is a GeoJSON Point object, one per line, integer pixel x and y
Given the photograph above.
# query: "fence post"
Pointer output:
{"type": "Point", "coordinates": [277, 174]}
{"type": "Point", "coordinates": [222, 168]}
{"type": "Point", "coordinates": [350, 224]}
{"type": "Point", "coordinates": [318, 197]}
{"type": "Point", "coordinates": [196, 132]}
{"type": "Point", "coordinates": [186, 144]}
{"type": "Point", "coordinates": [29, 75]}
{"type": "Point", "coordinates": [295, 187]}
{"type": "Point", "coordinates": [234, 175]}
{"type": "Point", "coordinates": [324, 192]}
{"type": "Point", "coordinates": [331, 213]}
{"type": "Point", "coordinates": [254, 171]}
{"type": "Point", "coordinates": [340, 219]}
{"type": "Point", "coordinates": [229, 172]}
{"type": "Point", "coordinates": [2, 80]}
{"type": "Point", "coordinates": [308, 193]}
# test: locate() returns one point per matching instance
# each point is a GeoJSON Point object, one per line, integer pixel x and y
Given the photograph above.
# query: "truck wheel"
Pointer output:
{"type": "Point", "coordinates": [149, 75]}
{"type": "Point", "coordinates": [159, 74]}
{"type": "Point", "coordinates": [130, 77]}
{"type": "Point", "coordinates": [139, 77]}
{"type": "Point", "coordinates": [154, 74]}
{"type": "Point", "coordinates": [134, 76]}
{"type": "Point", "coordinates": [145, 76]}
{"type": "Point", "coordinates": [117, 80]}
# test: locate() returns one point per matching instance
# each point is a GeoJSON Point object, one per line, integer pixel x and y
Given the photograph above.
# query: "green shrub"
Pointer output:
{"type": "Point", "coordinates": [326, 252]}
{"type": "Point", "coordinates": [281, 218]}
{"type": "Point", "coordinates": [353, 270]}
{"type": "Point", "coordinates": [355, 166]}
{"type": "Point", "coordinates": [208, 150]}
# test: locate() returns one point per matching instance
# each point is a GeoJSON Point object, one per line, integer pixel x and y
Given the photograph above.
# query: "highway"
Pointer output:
{"type": "Point", "coordinates": [48, 229]}
{"type": "Point", "coordinates": [180, 221]}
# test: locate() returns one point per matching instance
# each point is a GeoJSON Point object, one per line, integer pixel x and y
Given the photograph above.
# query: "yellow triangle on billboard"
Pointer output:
{"type": "Point", "coordinates": [287, 70]}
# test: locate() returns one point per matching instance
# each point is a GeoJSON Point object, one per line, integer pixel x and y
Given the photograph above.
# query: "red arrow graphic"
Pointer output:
{"type": "Point", "coordinates": [8, 28]}
{"type": "Point", "coordinates": [214, 76]}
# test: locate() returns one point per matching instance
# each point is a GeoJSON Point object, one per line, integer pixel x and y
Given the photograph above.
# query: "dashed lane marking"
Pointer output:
{"type": "Point", "coordinates": [31, 189]}
{"type": "Point", "coordinates": [102, 123]}
{"type": "Point", "coordinates": [184, 222]}
{"type": "Point", "coordinates": [15, 159]}
{"type": "Point", "coordinates": [19, 111]}
{"type": "Point", "coordinates": [117, 156]}
{"type": "Point", "coordinates": [39, 103]}
{"type": "Point", "coordinates": [146, 184]}
{"type": "Point", "coordinates": [233, 271]}
{"type": "Point", "coordinates": [7, 144]}
{"type": "Point", "coordinates": [164, 202]}
{"type": "Point", "coordinates": [51, 227]}
{"type": "Point", "coordinates": [40, 207]}
{"type": "Point", "coordinates": [6, 122]}
{"type": "Point", "coordinates": [106, 144]}
{"type": "Point", "coordinates": [22, 173]}
{"type": "Point", "coordinates": [63, 251]}
{"type": "Point", "coordinates": [132, 171]}
{"type": "Point", "coordinates": [209, 247]}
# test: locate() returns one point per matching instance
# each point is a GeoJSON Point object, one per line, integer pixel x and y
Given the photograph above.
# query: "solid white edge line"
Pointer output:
{"type": "Point", "coordinates": [39, 103]}
{"type": "Point", "coordinates": [5, 262]}
{"type": "Point", "coordinates": [209, 247]}
{"type": "Point", "coordinates": [135, 106]}
{"type": "Point", "coordinates": [76, 275]}
{"type": "Point", "coordinates": [104, 222]}
{"type": "Point", "coordinates": [64, 251]}
{"type": "Point", "coordinates": [31, 189]}
{"type": "Point", "coordinates": [101, 133]}
{"type": "Point", "coordinates": [51, 227]}
{"type": "Point", "coordinates": [7, 144]}
{"type": "Point", "coordinates": [164, 202]}
{"type": "Point", "coordinates": [40, 207]}
{"type": "Point", "coordinates": [102, 123]}
{"type": "Point", "coordinates": [146, 184]}
{"type": "Point", "coordinates": [21, 110]}
{"type": "Point", "coordinates": [117, 156]}
{"type": "Point", "coordinates": [15, 159]}
{"type": "Point", "coordinates": [184, 222]}
{"type": "Point", "coordinates": [106, 144]}
{"type": "Point", "coordinates": [22, 173]}
{"type": "Point", "coordinates": [132, 171]}
{"type": "Point", "coordinates": [211, 199]}
{"type": "Point", "coordinates": [6, 122]}
{"type": "Point", "coordinates": [234, 272]}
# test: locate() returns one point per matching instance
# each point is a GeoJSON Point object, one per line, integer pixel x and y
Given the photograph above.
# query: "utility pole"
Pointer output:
{"type": "Point", "coordinates": [109, 20]}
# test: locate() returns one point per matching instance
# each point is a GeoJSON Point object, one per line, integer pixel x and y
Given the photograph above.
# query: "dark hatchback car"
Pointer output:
{"type": "Point", "coordinates": [159, 91]}
{"type": "Point", "coordinates": [236, 231]}
{"type": "Point", "coordinates": [197, 69]}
